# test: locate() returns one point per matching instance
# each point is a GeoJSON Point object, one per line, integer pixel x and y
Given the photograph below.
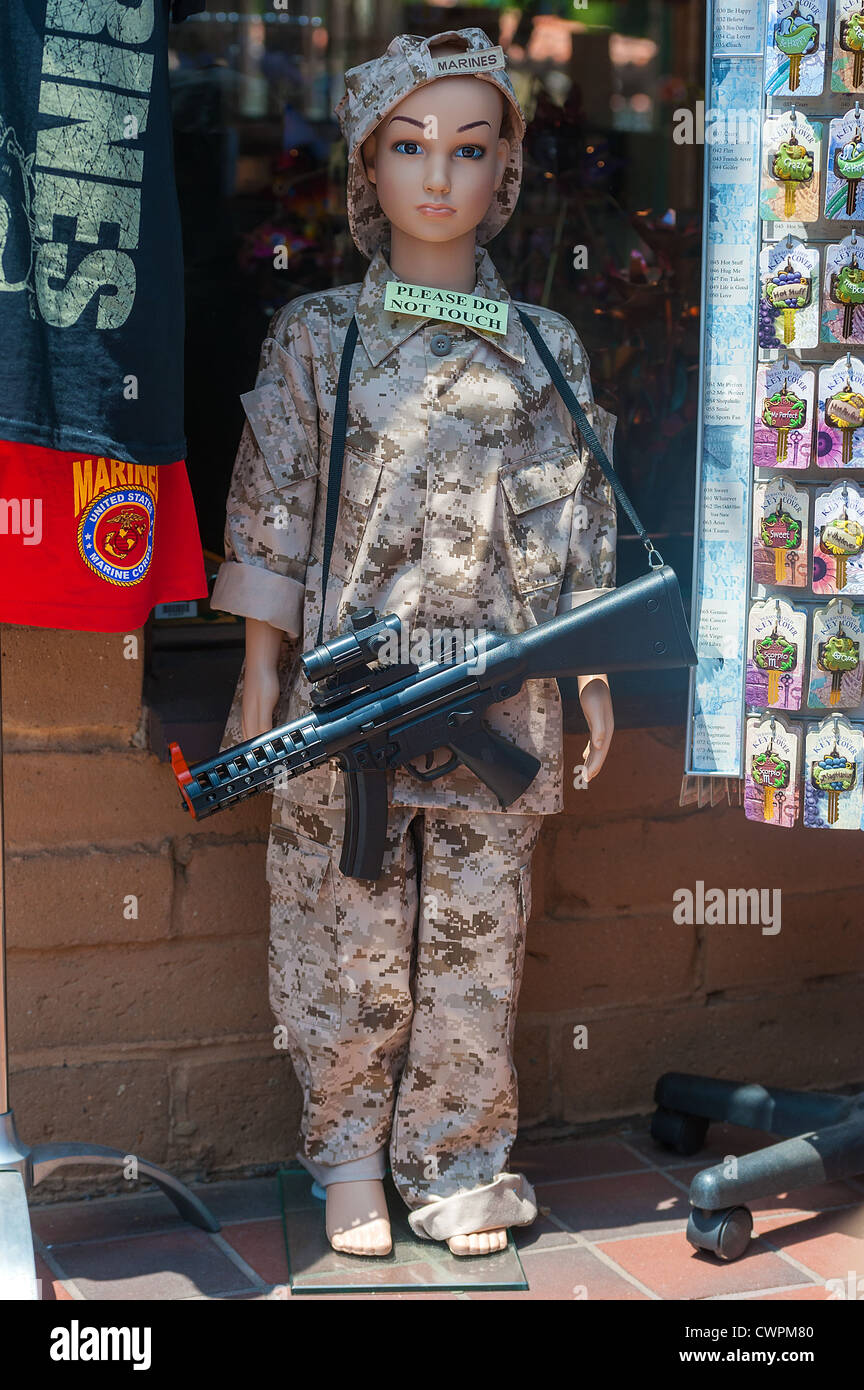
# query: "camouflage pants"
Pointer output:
{"type": "Point", "coordinates": [398, 1000]}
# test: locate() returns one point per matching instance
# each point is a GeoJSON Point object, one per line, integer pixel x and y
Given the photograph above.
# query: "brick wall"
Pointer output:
{"type": "Point", "coordinates": [729, 1001]}
{"type": "Point", "coordinates": [152, 1033]}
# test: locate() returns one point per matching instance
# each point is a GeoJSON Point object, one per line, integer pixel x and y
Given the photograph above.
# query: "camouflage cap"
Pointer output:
{"type": "Point", "coordinates": [374, 88]}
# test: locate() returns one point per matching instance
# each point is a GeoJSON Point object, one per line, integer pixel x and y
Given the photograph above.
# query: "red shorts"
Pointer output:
{"type": "Point", "coordinates": [91, 543]}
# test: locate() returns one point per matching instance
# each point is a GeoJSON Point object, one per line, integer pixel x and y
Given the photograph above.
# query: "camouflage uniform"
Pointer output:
{"type": "Point", "coordinates": [467, 502]}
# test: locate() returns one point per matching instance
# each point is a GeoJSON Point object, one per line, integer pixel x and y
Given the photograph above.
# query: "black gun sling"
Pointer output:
{"type": "Point", "coordinates": [665, 575]}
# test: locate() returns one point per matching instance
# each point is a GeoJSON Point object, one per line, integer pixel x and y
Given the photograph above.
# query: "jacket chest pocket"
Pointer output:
{"type": "Point", "coordinates": [305, 991]}
{"type": "Point", "coordinates": [360, 479]}
{"type": "Point", "coordinates": [537, 516]}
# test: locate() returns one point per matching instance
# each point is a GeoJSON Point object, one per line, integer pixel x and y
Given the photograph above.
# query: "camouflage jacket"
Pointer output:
{"type": "Point", "coordinates": [468, 502]}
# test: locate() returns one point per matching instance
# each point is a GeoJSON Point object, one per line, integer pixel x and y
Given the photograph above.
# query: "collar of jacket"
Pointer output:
{"type": "Point", "coordinates": [381, 330]}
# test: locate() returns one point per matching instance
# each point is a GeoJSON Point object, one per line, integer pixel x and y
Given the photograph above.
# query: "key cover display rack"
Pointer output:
{"type": "Point", "coordinates": [778, 607]}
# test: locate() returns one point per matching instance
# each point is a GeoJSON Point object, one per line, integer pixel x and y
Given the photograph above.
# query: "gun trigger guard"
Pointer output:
{"type": "Point", "coordinates": [437, 772]}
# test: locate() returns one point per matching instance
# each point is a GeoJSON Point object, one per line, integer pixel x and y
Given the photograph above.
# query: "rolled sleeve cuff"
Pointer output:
{"type": "Point", "coordinates": [254, 592]}
{"type": "Point", "coordinates": [576, 597]}
{"type": "Point", "coordinates": [508, 1200]}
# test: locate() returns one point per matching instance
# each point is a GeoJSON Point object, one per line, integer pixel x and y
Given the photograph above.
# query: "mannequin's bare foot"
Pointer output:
{"type": "Point", "coordinates": [357, 1220]}
{"type": "Point", "coordinates": [478, 1243]}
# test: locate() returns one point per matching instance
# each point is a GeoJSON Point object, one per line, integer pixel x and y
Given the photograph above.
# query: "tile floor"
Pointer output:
{"type": "Point", "coordinates": [613, 1215]}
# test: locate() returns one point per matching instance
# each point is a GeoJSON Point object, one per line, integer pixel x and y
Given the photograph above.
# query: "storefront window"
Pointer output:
{"type": "Point", "coordinates": [607, 229]}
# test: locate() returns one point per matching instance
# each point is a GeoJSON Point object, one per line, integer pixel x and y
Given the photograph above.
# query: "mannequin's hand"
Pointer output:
{"type": "Point", "coordinates": [261, 679]}
{"type": "Point", "coordinates": [260, 693]}
{"type": "Point", "coordinates": [596, 703]}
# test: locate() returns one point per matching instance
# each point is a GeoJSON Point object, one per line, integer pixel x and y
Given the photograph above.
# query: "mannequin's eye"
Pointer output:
{"type": "Point", "coordinates": [407, 147]}
{"type": "Point", "coordinates": [470, 152]}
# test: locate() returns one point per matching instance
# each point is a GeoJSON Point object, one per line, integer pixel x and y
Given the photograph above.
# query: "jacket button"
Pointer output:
{"type": "Point", "coordinates": [441, 343]}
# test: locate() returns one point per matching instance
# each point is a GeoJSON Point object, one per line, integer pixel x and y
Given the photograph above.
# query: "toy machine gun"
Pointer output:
{"type": "Point", "coordinates": [372, 718]}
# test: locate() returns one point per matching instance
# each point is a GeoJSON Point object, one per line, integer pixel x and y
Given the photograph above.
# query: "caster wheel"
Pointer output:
{"type": "Point", "coordinates": [725, 1233]}
{"type": "Point", "coordinates": [683, 1133]}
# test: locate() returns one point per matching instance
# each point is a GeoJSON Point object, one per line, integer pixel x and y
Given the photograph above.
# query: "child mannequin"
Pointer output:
{"type": "Point", "coordinates": [465, 501]}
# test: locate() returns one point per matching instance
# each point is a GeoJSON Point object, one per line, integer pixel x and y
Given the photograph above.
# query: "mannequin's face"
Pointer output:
{"type": "Point", "coordinates": [437, 158]}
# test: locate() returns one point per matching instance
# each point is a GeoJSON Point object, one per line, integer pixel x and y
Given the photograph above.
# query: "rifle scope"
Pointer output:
{"type": "Point", "coordinates": [362, 644]}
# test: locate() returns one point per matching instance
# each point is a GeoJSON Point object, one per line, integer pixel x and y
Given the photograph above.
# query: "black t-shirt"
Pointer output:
{"type": "Point", "coordinates": [91, 268]}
